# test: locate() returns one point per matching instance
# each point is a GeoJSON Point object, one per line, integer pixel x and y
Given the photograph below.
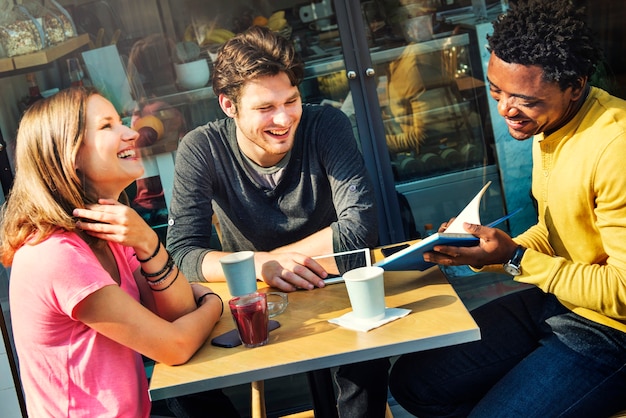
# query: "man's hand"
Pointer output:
{"type": "Point", "coordinates": [495, 247]}
{"type": "Point", "coordinates": [292, 271]}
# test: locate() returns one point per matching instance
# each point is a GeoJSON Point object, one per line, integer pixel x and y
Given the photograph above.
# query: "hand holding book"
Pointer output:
{"type": "Point", "coordinates": [412, 257]}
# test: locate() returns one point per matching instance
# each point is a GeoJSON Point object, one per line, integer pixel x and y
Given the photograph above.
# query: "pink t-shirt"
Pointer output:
{"type": "Point", "coordinates": [67, 369]}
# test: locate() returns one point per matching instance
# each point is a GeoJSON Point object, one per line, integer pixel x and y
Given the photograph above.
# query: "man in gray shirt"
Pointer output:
{"type": "Point", "coordinates": [285, 180]}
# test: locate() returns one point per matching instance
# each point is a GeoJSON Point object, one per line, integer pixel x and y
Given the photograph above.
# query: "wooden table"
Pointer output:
{"type": "Point", "coordinates": [306, 341]}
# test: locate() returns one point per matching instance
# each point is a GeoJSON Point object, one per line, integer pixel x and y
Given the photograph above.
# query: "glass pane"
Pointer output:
{"type": "Point", "coordinates": [196, 29]}
{"type": "Point", "coordinates": [427, 89]}
{"type": "Point", "coordinates": [433, 106]}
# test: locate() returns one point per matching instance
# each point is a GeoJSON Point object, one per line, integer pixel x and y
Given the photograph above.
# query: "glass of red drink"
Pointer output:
{"type": "Point", "coordinates": [251, 317]}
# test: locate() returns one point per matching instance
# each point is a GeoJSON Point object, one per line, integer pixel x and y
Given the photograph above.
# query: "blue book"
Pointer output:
{"type": "Point", "coordinates": [412, 257]}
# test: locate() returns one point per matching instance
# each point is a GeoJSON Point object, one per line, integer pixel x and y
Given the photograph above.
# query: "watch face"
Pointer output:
{"type": "Point", "coordinates": [512, 270]}
{"type": "Point", "coordinates": [513, 265]}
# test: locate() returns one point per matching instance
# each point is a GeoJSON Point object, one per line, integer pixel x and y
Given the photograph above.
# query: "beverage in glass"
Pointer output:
{"type": "Point", "coordinates": [251, 317]}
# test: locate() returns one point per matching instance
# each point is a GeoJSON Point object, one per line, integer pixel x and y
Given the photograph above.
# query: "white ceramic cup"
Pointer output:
{"type": "Point", "coordinates": [366, 290]}
{"type": "Point", "coordinates": [240, 273]}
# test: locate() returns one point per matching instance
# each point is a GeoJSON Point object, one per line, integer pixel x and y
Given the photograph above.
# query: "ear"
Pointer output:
{"type": "Point", "coordinates": [227, 105]}
{"type": "Point", "coordinates": [77, 165]}
{"type": "Point", "coordinates": [579, 88]}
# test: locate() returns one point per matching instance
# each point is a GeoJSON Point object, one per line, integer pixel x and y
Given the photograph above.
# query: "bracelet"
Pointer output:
{"type": "Point", "coordinates": [168, 265]}
{"type": "Point", "coordinates": [154, 254]}
{"type": "Point", "coordinates": [171, 283]}
{"type": "Point", "coordinates": [207, 294]}
{"type": "Point", "coordinates": [162, 279]}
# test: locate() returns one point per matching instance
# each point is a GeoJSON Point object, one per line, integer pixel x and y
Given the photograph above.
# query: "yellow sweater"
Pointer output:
{"type": "Point", "coordinates": [577, 250]}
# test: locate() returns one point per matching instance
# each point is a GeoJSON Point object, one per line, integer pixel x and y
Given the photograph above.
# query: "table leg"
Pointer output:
{"type": "Point", "coordinates": [323, 393]}
{"type": "Point", "coordinates": [258, 399]}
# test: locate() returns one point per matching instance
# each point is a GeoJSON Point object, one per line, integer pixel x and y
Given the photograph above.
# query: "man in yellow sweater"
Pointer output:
{"type": "Point", "coordinates": [559, 348]}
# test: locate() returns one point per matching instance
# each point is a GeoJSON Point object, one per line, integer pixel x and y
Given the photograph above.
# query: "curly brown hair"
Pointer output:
{"type": "Point", "coordinates": [552, 34]}
{"type": "Point", "coordinates": [257, 52]}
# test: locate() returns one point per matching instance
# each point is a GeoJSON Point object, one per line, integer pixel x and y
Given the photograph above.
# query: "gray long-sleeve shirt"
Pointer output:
{"type": "Point", "coordinates": [324, 184]}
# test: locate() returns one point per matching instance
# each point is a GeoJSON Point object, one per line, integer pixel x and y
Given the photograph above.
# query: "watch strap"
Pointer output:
{"type": "Point", "coordinates": [516, 258]}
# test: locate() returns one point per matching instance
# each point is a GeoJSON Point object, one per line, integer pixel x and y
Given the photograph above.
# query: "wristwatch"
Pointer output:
{"type": "Point", "coordinates": [513, 265]}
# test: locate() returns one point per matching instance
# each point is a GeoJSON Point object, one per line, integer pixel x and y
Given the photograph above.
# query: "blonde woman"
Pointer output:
{"type": "Point", "coordinates": [91, 286]}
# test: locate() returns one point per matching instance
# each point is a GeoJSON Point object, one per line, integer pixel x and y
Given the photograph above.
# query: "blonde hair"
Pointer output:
{"type": "Point", "coordinates": [47, 186]}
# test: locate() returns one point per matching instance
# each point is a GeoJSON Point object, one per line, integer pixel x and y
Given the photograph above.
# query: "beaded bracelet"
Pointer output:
{"type": "Point", "coordinates": [207, 294]}
{"type": "Point", "coordinates": [154, 254]}
{"type": "Point", "coordinates": [171, 283]}
{"type": "Point", "coordinates": [168, 265]}
{"type": "Point", "coordinates": [162, 279]}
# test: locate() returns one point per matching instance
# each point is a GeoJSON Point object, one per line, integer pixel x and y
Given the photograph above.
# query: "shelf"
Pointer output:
{"type": "Point", "coordinates": [334, 63]}
{"type": "Point", "coordinates": [44, 56]}
{"type": "Point", "coordinates": [184, 97]}
{"type": "Point", "coordinates": [6, 64]}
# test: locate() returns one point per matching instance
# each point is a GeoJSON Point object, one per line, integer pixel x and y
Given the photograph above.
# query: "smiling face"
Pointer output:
{"type": "Point", "coordinates": [107, 159]}
{"type": "Point", "coordinates": [267, 115]}
{"type": "Point", "coordinates": [529, 104]}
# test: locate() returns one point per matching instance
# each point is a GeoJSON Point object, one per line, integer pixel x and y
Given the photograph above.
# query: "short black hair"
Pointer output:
{"type": "Point", "coordinates": [552, 34]}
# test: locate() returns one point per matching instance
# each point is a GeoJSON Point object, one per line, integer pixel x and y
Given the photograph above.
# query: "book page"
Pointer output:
{"type": "Point", "coordinates": [471, 213]}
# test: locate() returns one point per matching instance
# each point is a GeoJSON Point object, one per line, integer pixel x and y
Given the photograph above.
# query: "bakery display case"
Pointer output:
{"type": "Point", "coordinates": [428, 101]}
{"type": "Point", "coordinates": [425, 102]}
{"type": "Point", "coordinates": [398, 70]}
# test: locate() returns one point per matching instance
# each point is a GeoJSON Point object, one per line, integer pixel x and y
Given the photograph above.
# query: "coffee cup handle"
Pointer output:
{"type": "Point", "coordinates": [277, 307]}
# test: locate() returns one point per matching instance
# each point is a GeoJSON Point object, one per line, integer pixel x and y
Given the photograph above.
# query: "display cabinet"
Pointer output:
{"type": "Point", "coordinates": [403, 77]}
{"type": "Point", "coordinates": [427, 144]}
{"type": "Point", "coordinates": [428, 101]}
{"type": "Point", "coordinates": [432, 108]}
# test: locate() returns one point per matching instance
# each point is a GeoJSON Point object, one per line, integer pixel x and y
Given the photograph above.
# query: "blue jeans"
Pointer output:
{"type": "Point", "coordinates": [535, 359]}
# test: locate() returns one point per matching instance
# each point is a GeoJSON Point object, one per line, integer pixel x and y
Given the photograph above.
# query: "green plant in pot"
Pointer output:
{"type": "Point", "coordinates": [192, 71]}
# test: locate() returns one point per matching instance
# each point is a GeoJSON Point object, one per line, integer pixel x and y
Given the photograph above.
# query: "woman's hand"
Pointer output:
{"type": "Point", "coordinates": [112, 221]}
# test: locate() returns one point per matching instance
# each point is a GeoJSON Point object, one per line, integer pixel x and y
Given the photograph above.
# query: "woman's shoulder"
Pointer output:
{"type": "Point", "coordinates": [59, 263]}
{"type": "Point", "coordinates": [58, 239]}
{"type": "Point", "coordinates": [60, 247]}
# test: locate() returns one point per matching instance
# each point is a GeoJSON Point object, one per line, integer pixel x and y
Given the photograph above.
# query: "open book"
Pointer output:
{"type": "Point", "coordinates": [412, 257]}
